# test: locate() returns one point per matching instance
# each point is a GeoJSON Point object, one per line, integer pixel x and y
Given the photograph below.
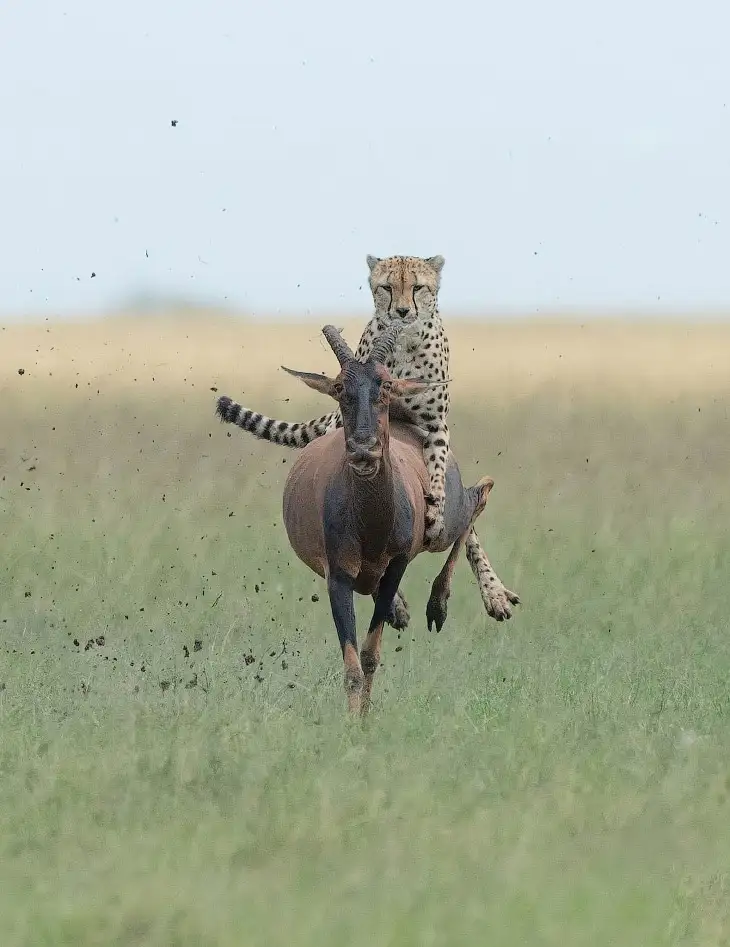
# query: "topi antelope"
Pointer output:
{"type": "Point", "coordinates": [355, 507]}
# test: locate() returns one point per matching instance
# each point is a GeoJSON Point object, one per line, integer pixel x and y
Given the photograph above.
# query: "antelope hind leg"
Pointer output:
{"type": "Point", "coordinates": [436, 608]}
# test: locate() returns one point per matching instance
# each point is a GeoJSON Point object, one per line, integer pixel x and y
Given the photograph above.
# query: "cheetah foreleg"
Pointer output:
{"type": "Point", "coordinates": [435, 452]}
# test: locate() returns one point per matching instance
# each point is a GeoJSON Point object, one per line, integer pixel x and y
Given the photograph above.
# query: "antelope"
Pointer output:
{"type": "Point", "coordinates": [354, 504]}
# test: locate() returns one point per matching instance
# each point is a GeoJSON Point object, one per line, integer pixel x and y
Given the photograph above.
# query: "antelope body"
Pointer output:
{"type": "Point", "coordinates": [354, 505]}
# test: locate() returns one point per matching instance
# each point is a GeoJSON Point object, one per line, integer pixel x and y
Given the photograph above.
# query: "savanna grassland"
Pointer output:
{"type": "Point", "coordinates": [176, 767]}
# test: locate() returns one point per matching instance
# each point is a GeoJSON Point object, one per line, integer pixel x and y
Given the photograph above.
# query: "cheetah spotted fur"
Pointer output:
{"type": "Point", "coordinates": [405, 290]}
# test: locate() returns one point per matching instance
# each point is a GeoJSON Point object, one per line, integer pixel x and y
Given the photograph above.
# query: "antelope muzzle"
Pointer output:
{"type": "Point", "coordinates": [364, 456]}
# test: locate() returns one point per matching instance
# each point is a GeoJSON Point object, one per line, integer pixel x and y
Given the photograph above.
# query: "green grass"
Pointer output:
{"type": "Point", "coordinates": [560, 779]}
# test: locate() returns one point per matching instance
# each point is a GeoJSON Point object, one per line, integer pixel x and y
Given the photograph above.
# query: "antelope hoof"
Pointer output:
{"type": "Point", "coordinates": [436, 611]}
{"type": "Point", "coordinates": [498, 601]}
{"type": "Point", "coordinates": [398, 615]}
{"type": "Point", "coordinates": [353, 688]}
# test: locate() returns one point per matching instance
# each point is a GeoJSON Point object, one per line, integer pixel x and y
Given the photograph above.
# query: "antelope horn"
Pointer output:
{"type": "Point", "coordinates": [338, 345]}
{"type": "Point", "coordinates": [384, 345]}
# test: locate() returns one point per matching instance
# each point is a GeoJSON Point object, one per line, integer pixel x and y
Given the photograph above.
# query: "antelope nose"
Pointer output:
{"type": "Point", "coordinates": [362, 443]}
{"type": "Point", "coordinates": [403, 311]}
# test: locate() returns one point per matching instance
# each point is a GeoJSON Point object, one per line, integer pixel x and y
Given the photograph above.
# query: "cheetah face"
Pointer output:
{"type": "Point", "coordinates": [405, 287]}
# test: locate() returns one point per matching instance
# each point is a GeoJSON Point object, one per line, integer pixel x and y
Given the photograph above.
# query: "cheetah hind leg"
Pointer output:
{"type": "Point", "coordinates": [498, 599]}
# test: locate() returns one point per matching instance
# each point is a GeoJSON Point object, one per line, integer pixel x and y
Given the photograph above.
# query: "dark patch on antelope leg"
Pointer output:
{"type": "Point", "coordinates": [370, 654]}
{"type": "Point", "coordinates": [339, 587]}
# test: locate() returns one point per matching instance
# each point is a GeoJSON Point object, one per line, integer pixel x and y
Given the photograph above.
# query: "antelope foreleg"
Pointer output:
{"type": "Point", "coordinates": [370, 654]}
{"type": "Point", "coordinates": [339, 587]}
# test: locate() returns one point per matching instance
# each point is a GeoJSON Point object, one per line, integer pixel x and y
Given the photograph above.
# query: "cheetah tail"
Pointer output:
{"type": "Point", "coordinates": [285, 433]}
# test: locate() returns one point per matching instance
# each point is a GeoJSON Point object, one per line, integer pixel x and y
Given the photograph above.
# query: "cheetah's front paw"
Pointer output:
{"type": "Point", "coordinates": [434, 520]}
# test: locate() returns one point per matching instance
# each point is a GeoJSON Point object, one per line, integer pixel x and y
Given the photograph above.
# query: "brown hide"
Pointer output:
{"type": "Point", "coordinates": [322, 460]}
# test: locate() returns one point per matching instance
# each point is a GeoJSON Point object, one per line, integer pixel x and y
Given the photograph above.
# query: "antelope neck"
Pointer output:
{"type": "Point", "coordinates": [373, 504]}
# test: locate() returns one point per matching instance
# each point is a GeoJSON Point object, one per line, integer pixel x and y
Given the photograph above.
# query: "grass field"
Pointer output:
{"type": "Point", "coordinates": [176, 767]}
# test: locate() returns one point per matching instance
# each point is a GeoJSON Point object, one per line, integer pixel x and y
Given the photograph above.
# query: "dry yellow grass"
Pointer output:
{"type": "Point", "coordinates": [500, 360]}
{"type": "Point", "coordinates": [174, 763]}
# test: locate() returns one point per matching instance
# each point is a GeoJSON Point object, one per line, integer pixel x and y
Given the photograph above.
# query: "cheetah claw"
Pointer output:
{"type": "Point", "coordinates": [498, 601]}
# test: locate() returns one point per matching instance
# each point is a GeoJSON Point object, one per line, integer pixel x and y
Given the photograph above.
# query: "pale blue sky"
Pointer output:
{"type": "Point", "coordinates": [557, 154]}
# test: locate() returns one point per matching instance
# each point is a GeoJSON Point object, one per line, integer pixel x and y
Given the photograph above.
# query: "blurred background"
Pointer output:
{"type": "Point", "coordinates": [188, 192]}
{"type": "Point", "coordinates": [249, 155]}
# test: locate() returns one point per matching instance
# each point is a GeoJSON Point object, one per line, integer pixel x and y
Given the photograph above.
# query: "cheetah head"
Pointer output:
{"type": "Point", "coordinates": [405, 287]}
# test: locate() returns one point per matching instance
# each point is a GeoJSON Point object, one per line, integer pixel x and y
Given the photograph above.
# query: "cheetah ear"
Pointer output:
{"type": "Point", "coordinates": [436, 263]}
{"type": "Point", "coordinates": [372, 261]}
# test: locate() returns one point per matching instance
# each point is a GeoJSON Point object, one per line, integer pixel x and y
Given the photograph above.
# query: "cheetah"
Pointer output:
{"type": "Point", "coordinates": [405, 290]}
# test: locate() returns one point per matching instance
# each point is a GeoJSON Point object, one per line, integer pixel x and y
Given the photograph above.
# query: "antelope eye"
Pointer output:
{"type": "Point", "coordinates": [337, 389]}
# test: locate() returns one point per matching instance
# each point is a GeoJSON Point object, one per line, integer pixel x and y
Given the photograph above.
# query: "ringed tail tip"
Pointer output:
{"type": "Point", "coordinates": [223, 408]}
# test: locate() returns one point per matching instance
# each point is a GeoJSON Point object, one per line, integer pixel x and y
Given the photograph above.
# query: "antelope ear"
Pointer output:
{"type": "Point", "coordinates": [372, 261]}
{"type": "Point", "coordinates": [413, 386]}
{"type": "Point", "coordinates": [321, 383]}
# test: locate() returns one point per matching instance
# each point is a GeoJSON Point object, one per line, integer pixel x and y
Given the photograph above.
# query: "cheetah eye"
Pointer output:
{"type": "Point", "coordinates": [418, 287]}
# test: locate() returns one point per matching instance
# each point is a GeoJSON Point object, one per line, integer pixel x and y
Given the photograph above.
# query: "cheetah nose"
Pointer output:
{"type": "Point", "coordinates": [403, 311]}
